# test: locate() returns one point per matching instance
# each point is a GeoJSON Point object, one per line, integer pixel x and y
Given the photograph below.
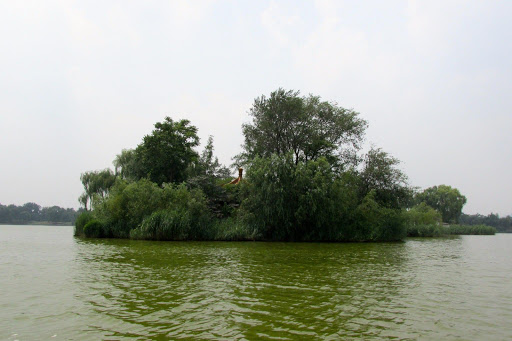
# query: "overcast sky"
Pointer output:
{"type": "Point", "coordinates": [81, 80]}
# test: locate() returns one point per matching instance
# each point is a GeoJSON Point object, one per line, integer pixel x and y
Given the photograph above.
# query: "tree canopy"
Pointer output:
{"type": "Point", "coordinates": [445, 199]}
{"type": "Point", "coordinates": [95, 183]}
{"type": "Point", "coordinates": [165, 154]}
{"type": "Point", "coordinates": [306, 126]}
{"type": "Point", "coordinates": [380, 173]}
{"type": "Point", "coordinates": [125, 165]}
{"type": "Point", "coordinates": [34, 213]}
{"type": "Point", "coordinates": [208, 165]}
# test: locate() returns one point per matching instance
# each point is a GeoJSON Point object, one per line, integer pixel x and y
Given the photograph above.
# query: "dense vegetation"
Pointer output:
{"type": "Point", "coordinates": [433, 230]}
{"type": "Point", "coordinates": [31, 213]}
{"type": "Point", "coordinates": [306, 180]}
{"type": "Point", "coordinates": [446, 200]}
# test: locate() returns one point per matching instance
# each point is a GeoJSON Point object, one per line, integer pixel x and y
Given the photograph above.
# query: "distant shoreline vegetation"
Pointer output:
{"type": "Point", "coordinates": [33, 214]}
{"type": "Point", "coordinates": [432, 230]}
{"type": "Point", "coordinates": [305, 179]}
{"type": "Point", "coordinates": [40, 223]}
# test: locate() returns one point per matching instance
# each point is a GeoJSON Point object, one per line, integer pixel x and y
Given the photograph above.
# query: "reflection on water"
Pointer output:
{"type": "Point", "coordinates": [117, 289]}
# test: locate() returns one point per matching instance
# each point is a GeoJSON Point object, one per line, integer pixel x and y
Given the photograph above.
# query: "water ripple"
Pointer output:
{"type": "Point", "coordinates": [67, 288]}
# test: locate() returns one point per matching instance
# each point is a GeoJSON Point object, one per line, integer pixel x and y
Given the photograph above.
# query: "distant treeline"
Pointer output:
{"type": "Point", "coordinates": [501, 224]}
{"type": "Point", "coordinates": [31, 213]}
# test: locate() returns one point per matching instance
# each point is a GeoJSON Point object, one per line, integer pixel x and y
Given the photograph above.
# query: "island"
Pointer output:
{"type": "Point", "coordinates": [307, 178]}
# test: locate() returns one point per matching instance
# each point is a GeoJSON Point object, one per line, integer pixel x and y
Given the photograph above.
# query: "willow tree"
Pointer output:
{"type": "Point", "coordinates": [96, 183]}
{"type": "Point", "coordinates": [125, 165]}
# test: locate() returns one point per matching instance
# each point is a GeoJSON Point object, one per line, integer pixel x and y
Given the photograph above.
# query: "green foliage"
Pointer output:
{"type": "Point", "coordinates": [502, 224]}
{"type": "Point", "coordinates": [305, 182]}
{"type": "Point", "coordinates": [310, 202]}
{"type": "Point", "coordinates": [93, 229]}
{"type": "Point", "coordinates": [434, 230]}
{"type": "Point", "coordinates": [165, 155]}
{"type": "Point", "coordinates": [376, 222]}
{"type": "Point", "coordinates": [445, 199]}
{"type": "Point", "coordinates": [304, 126]}
{"type": "Point", "coordinates": [422, 214]}
{"type": "Point", "coordinates": [129, 204]}
{"type": "Point", "coordinates": [178, 225]}
{"type": "Point", "coordinates": [425, 230]}
{"type": "Point", "coordinates": [209, 165]}
{"type": "Point", "coordinates": [272, 198]}
{"type": "Point", "coordinates": [209, 175]}
{"type": "Point", "coordinates": [96, 183]}
{"type": "Point", "coordinates": [32, 213]}
{"type": "Point", "coordinates": [470, 229]}
{"type": "Point", "coordinates": [126, 166]}
{"type": "Point", "coordinates": [164, 225]}
{"type": "Point", "coordinates": [234, 229]}
{"type": "Point", "coordinates": [81, 221]}
{"type": "Point", "coordinates": [380, 174]}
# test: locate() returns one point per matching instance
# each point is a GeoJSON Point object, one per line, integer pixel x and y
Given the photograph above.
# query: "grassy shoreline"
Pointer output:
{"type": "Point", "coordinates": [432, 230]}
{"type": "Point", "coordinates": [163, 226]}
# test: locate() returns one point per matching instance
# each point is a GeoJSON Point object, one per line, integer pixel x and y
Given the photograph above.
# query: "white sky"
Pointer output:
{"type": "Point", "coordinates": [81, 80]}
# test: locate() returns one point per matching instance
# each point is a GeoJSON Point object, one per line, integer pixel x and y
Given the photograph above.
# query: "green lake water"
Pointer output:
{"type": "Point", "coordinates": [57, 287]}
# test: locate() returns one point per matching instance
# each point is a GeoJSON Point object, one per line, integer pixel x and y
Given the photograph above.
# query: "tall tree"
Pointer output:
{"type": "Point", "coordinates": [165, 154]}
{"type": "Point", "coordinates": [96, 183]}
{"type": "Point", "coordinates": [305, 126]}
{"type": "Point", "coordinates": [125, 165]}
{"type": "Point", "coordinates": [380, 172]}
{"type": "Point", "coordinates": [208, 164]}
{"type": "Point", "coordinates": [206, 173]}
{"type": "Point", "coordinates": [445, 199]}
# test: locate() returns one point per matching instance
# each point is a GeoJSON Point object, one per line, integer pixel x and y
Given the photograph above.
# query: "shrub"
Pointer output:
{"type": "Point", "coordinates": [129, 204]}
{"type": "Point", "coordinates": [422, 214]}
{"type": "Point", "coordinates": [378, 223]}
{"type": "Point", "coordinates": [94, 229]}
{"type": "Point", "coordinates": [308, 201]}
{"type": "Point", "coordinates": [425, 230]}
{"type": "Point", "coordinates": [164, 225]}
{"type": "Point", "coordinates": [81, 221]}
{"type": "Point", "coordinates": [433, 230]}
{"type": "Point", "coordinates": [233, 229]}
{"type": "Point", "coordinates": [471, 230]}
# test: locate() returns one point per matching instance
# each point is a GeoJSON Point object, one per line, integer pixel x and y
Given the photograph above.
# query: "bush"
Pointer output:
{"type": "Point", "coordinates": [308, 201]}
{"type": "Point", "coordinates": [81, 221]}
{"type": "Point", "coordinates": [422, 214]}
{"type": "Point", "coordinates": [129, 204]}
{"type": "Point", "coordinates": [93, 229]}
{"type": "Point", "coordinates": [284, 201]}
{"type": "Point", "coordinates": [164, 225]}
{"type": "Point", "coordinates": [433, 230]}
{"type": "Point", "coordinates": [378, 223]}
{"type": "Point", "coordinates": [425, 230]}
{"type": "Point", "coordinates": [233, 229]}
{"type": "Point", "coordinates": [470, 230]}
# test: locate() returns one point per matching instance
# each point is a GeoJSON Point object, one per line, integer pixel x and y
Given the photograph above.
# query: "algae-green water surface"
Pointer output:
{"type": "Point", "coordinates": [54, 286]}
